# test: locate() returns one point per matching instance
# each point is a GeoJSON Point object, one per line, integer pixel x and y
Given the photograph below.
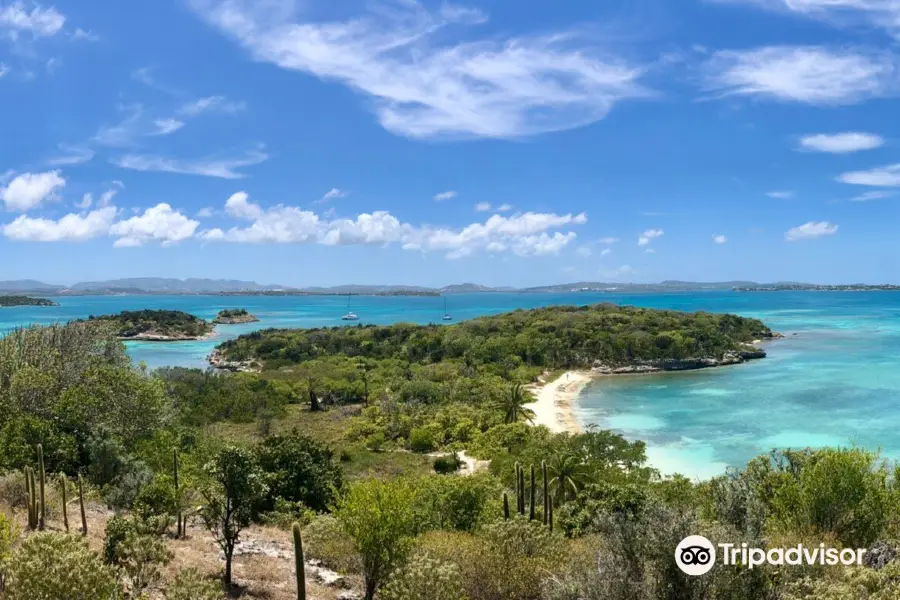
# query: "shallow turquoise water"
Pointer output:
{"type": "Point", "coordinates": [834, 383]}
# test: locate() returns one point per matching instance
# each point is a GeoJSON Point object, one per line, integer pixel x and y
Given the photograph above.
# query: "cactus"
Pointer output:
{"type": "Point", "coordinates": [81, 504]}
{"type": "Point", "coordinates": [531, 509]}
{"type": "Point", "coordinates": [521, 490]}
{"type": "Point", "coordinates": [42, 520]}
{"type": "Point", "coordinates": [298, 562]}
{"type": "Point", "coordinates": [550, 515]}
{"type": "Point", "coordinates": [32, 498]}
{"type": "Point", "coordinates": [518, 493]}
{"type": "Point", "coordinates": [179, 526]}
{"type": "Point", "coordinates": [546, 491]}
{"type": "Point", "coordinates": [65, 510]}
{"type": "Point", "coordinates": [505, 506]}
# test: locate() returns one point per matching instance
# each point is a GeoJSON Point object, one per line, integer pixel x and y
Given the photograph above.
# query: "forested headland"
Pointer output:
{"type": "Point", "coordinates": [357, 436]}
{"type": "Point", "coordinates": [155, 325]}
{"type": "Point", "coordinates": [25, 301]}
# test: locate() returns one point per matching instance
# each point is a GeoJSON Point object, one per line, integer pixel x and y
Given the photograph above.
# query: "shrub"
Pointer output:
{"type": "Point", "coordinates": [157, 499]}
{"type": "Point", "coordinates": [425, 578]}
{"type": "Point", "coordinates": [285, 513]}
{"type": "Point", "coordinates": [117, 530]}
{"type": "Point", "coordinates": [299, 469]}
{"type": "Point", "coordinates": [447, 464]}
{"type": "Point", "coordinates": [421, 440]}
{"type": "Point", "coordinates": [12, 489]}
{"type": "Point", "coordinates": [8, 535]}
{"type": "Point", "coordinates": [140, 557]}
{"type": "Point", "coordinates": [190, 585]}
{"type": "Point", "coordinates": [50, 566]}
{"type": "Point", "coordinates": [326, 540]}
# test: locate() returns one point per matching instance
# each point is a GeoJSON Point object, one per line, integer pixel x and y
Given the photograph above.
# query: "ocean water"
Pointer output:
{"type": "Point", "coordinates": [833, 381]}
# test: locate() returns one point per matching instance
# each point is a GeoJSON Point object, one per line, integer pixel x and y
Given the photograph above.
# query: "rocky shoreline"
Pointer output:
{"type": "Point", "coordinates": [223, 319]}
{"type": "Point", "coordinates": [159, 337]}
{"type": "Point", "coordinates": [218, 361]}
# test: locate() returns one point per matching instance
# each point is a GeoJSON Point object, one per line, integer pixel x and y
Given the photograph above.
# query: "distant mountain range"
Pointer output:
{"type": "Point", "coordinates": [157, 285]}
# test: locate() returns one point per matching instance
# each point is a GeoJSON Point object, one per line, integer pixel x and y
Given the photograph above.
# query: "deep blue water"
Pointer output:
{"type": "Point", "coordinates": [836, 382]}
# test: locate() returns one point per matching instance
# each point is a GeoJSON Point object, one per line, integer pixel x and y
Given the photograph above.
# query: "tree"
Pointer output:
{"type": "Point", "coordinates": [381, 519]}
{"type": "Point", "coordinates": [235, 488]}
{"type": "Point", "coordinates": [299, 469]}
{"type": "Point", "coordinates": [513, 405]}
{"type": "Point", "coordinates": [567, 475]}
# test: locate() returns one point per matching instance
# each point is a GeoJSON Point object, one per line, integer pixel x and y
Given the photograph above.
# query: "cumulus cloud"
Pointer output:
{"type": "Point", "coordinates": [31, 18]}
{"type": "Point", "coordinates": [157, 224]}
{"type": "Point", "coordinates": [810, 230]}
{"type": "Point", "coordinates": [649, 236]}
{"type": "Point", "coordinates": [886, 176]}
{"type": "Point", "coordinates": [72, 227]}
{"type": "Point", "coordinates": [841, 143]}
{"type": "Point", "coordinates": [223, 168]}
{"type": "Point", "coordinates": [444, 196]}
{"type": "Point", "coordinates": [719, 239]}
{"type": "Point", "coordinates": [422, 84]}
{"type": "Point", "coordinates": [806, 74]}
{"type": "Point", "coordinates": [527, 234]}
{"type": "Point", "coordinates": [29, 190]}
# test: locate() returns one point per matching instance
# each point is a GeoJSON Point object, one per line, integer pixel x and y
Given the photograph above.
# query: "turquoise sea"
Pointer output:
{"type": "Point", "coordinates": [836, 382]}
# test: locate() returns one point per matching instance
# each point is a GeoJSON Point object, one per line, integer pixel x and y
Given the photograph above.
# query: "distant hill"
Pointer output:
{"type": "Point", "coordinates": [28, 285]}
{"type": "Point", "coordinates": [469, 288]}
{"type": "Point", "coordinates": [161, 285]}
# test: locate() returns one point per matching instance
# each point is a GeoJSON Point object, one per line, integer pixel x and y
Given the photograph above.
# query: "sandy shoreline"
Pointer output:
{"type": "Point", "coordinates": [555, 404]}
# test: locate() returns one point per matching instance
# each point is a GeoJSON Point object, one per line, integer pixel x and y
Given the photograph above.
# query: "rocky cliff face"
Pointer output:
{"type": "Point", "coordinates": [685, 364]}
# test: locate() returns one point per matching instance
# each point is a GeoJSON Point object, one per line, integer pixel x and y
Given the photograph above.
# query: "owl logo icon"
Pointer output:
{"type": "Point", "coordinates": [695, 555]}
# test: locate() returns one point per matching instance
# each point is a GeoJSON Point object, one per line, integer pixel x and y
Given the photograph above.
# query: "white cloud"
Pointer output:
{"type": "Point", "coordinates": [86, 201]}
{"type": "Point", "coordinates": [28, 190]}
{"type": "Point", "coordinates": [167, 126]}
{"type": "Point", "coordinates": [648, 236]}
{"type": "Point", "coordinates": [606, 252]}
{"type": "Point", "coordinates": [332, 194]}
{"type": "Point", "coordinates": [874, 195]}
{"type": "Point", "coordinates": [72, 227]}
{"type": "Point", "coordinates": [72, 155]}
{"type": "Point", "coordinates": [810, 230]}
{"type": "Point", "coordinates": [423, 85]}
{"type": "Point", "coordinates": [878, 13]}
{"type": "Point", "coordinates": [781, 195]}
{"type": "Point", "coordinates": [444, 196]}
{"type": "Point", "coordinates": [483, 206]}
{"type": "Point", "coordinates": [83, 34]}
{"type": "Point", "coordinates": [584, 251]}
{"type": "Point", "coordinates": [841, 143]}
{"type": "Point", "coordinates": [504, 208]}
{"type": "Point", "coordinates": [4, 69]}
{"type": "Point", "coordinates": [650, 251]}
{"type": "Point", "coordinates": [21, 17]}
{"type": "Point", "coordinates": [886, 176]}
{"type": "Point", "coordinates": [158, 224]}
{"type": "Point", "coordinates": [211, 104]}
{"type": "Point", "coordinates": [525, 234]}
{"type": "Point", "coordinates": [807, 74]}
{"type": "Point", "coordinates": [205, 212]}
{"type": "Point", "coordinates": [224, 168]}
{"type": "Point", "coordinates": [719, 239]}
{"type": "Point", "coordinates": [609, 241]}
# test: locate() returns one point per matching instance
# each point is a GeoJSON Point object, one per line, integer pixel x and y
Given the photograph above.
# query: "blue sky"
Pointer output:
{"type": "Point", "coordinates": [393, 141]}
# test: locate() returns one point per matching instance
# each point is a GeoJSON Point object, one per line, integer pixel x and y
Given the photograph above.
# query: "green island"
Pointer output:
{"type": "Point", "coordinates": [234, 316]}
{"type": "Point", "coordinates": [399, 463]}
{"type": "Point", "coordinates": [155, 325]}
{"type": "Point", "coordinates": [25, 301]}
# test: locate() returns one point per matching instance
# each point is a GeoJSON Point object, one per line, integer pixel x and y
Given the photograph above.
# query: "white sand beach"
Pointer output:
{"type": "Point", "coordinates": [554, 407]}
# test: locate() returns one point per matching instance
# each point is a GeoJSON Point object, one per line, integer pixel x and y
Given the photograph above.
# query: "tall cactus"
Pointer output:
{"type": "Point", "coordinates": [518, 492]}
{"type": "Point", "coordinates": [521, 490]}
{"type": "Point", "coordinates": [65, 509]}
{"type": "Point", "coordinates": [505, 506]}
{"type": "Point", "coordinates": [32, 498]}
{"type": "Point", "coordinates": [531, 509]}
{"type": "Point", "coordinates": [179, 526]}
{"type": "Point", "coordinates": [42, 521]}
{"type": "Point", "coordinates": [550, 515]}
{"type": "Point", "coordinates": [298, 562]}
{"type": "Point", "coordinates": [546, 495]}
{"type": "Point", "coordinates": [81, 504]}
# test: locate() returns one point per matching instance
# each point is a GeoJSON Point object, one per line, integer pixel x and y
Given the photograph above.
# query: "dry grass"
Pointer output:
{"type": "Point", "coordinates": [255, 576]}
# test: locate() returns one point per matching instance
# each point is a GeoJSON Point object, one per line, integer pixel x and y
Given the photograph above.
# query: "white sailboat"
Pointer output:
{"type": "Point", "coordinates": [350, 316]}
{"type": "Point", "coordinates": [446, 316]}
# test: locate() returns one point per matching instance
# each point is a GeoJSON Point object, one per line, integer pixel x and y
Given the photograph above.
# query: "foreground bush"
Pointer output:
{"type": "Point", "coordinates": [53, 566]}
{"type": "Point", "coordinates": [189, 584]}
{"type": "Point", "coordinates": [425, 578]}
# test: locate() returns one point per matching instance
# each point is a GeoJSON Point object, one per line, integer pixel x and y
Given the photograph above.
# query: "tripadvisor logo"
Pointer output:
{"type": "Point", "coordinates": [696, 555]}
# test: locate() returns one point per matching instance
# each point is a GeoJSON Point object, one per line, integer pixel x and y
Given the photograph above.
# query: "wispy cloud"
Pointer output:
{"type": "Point", "coordinates": [483, 207]}
{"type": "Point", "coordinates": [444, 196]}
{"type": "Point", "coordinates": [72, 155]}
{"type": "Point", "coordinates": [605, 252]}
{"type": "Point", "coordinates": [719, 239]}
{"type": "Point", "coordinates": [504, 208]}
{"type": "Point", "coordinates": [649, 235]}
{"type": "Point", "coordinates": [886, 176]}
{"type": "Point", "coordinates": [608, 240]}
{"type": "Point", "coordinates": [167, 126]}
{"type": "Point", "coordinates": [22, 17]}
{"type": "Point", "coordinates": [841, 143]}
{"type": "Point", "coordinates": [884, 14]}
{"type": "Point", "coordinates": [781, 195]}
{"type": "Point", "coordinates": [224, 168]}
{"type": "Point", "coordinates": [219, 104]}
{"type": "Point", "coordinates": [810, 230]}
{"type": "Point", "coordinates": [422, 85]}
{"type": "Point", "coordinates": [332, 194]}
{"type": "Point", "coordinates": [874, 195]}
{"type": "Point", "coordinates": [807, 74]}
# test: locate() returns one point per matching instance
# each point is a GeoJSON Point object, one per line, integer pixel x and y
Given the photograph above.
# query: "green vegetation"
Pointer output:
{"type": "Point", "coordinates": [337, 434]}
{"type": "Point", "coordinates": [234, 315]}
{"type": "Point", "coordinates": [25, 301]}
{"type": "Point", "coordinates": [155, 324]}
